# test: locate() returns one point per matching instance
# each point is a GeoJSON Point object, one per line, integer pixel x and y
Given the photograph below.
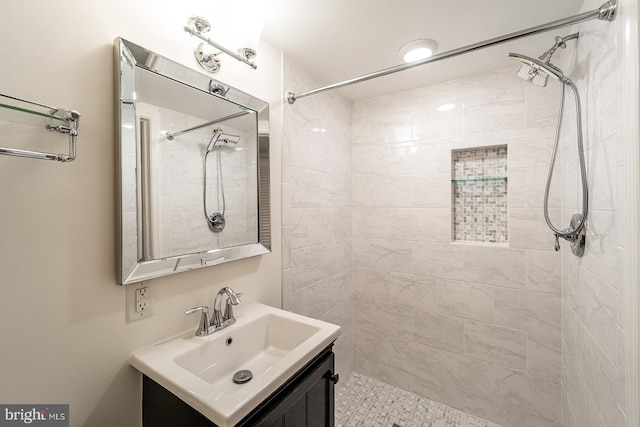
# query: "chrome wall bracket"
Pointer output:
{"type": "Point", "coordinates": [57, 120]}
{"type": "Point", "coordinates": [208, 61]}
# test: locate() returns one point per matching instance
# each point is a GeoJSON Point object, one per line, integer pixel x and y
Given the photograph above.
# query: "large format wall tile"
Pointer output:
{"type": "Point", "coordinates": [382, 254]}
{"type": "Point", "coordinates": [496, 344]}
{"type": "Point", "coordinates": [317, 209]}
{"type": "Point", "coordinates": [496, 110]}
{"type": "Point", "coordinates": [530, 311]}
{"type": "Point", "coordinates": [495, 265]}
{"type": "Point", "coordinates": [544, 355]}
{"type": "Point", "coordinates": [314, 263]}
{"type": "Point", "coordinates": [496, 412]}
{"type": "Point", "coordinates": [382, 317]}
{"type": "Point", "coordinates": [437, 260]}
{"type": "Point", "coordinates": [437, 330]}
{"type": "Point", "coordinates": [543, 271]}
{"type": "Point", "coordinates": [594, 354]}
{"type": "Point", "coordinates": [535, 395]}
{"type": "Point", "coordinates": [394, 223]}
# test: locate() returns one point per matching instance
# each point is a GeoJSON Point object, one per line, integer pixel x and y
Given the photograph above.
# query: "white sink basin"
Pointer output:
{"type": "Point", "coordinates": [273, 344]}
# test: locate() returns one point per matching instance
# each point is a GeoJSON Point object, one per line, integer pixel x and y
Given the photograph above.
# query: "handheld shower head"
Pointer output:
{"type": "Point", "coordinates": [537, 72]}
{"type": "Point", "coordinates": [220, 139]}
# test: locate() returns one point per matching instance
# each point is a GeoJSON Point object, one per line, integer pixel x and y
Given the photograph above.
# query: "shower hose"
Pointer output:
{"type": "Point", "coordinates": [571, 232]}
{"type": "Point", "coordinates": [211, 218]}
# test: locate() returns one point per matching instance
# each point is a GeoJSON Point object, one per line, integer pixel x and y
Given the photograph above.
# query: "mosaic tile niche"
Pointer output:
{"type": "Point", "coordinates": [480, 195]}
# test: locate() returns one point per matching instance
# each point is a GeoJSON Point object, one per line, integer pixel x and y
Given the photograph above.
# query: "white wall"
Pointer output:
{"type": "Point", "coordinates": [62, 316]}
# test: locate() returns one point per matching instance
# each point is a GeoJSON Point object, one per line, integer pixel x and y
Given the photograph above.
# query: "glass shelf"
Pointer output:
{"type": "Point", "coordinates": [21, 112]}
{"type": "Point", "coordinates": [498, 178]}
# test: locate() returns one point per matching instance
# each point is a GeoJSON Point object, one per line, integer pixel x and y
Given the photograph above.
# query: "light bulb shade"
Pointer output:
{"type": "Point", "coordinates": [418, 49]}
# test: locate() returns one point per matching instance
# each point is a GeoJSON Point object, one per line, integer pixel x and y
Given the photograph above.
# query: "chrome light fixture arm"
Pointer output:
{"type": "Point", "coordinates": [196, 26]}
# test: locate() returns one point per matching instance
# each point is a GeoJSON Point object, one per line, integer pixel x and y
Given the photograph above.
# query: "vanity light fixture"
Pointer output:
{"type": "Point", "coordinates": [418, 49]}
{"type": "Point", "coordinates": [210, 60]}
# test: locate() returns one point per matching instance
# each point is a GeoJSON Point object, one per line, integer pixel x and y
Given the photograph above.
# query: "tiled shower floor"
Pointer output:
{"type": "Point", "coordinates": [366, 402]}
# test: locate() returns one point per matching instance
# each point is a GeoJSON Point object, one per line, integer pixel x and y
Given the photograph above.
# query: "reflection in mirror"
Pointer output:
{"type": "Point", "coordinates": [194, 168]}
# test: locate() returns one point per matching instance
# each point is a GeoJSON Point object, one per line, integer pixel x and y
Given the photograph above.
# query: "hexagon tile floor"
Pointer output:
{"type": "Point", "coordinates": [365, 402]}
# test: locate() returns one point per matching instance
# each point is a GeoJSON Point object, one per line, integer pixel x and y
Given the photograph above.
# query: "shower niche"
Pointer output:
{"type": "Point", "coordinates": [193, 168]}
{"type": "Point", "coordinates": [479, 190]}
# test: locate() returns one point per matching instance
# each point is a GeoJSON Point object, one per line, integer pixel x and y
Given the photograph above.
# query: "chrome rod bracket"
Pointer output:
{"type": "Point", "coordinates": [172, 135]}
{"type": "Point", "coordinates": [608, 10]}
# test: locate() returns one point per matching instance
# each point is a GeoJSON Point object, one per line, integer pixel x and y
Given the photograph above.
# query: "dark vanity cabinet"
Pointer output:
{"type": "Point", "coordinates": [305, 400]}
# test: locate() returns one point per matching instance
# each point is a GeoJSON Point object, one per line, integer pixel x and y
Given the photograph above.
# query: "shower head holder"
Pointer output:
{"type": "Point", "coordinates": [560, 43]}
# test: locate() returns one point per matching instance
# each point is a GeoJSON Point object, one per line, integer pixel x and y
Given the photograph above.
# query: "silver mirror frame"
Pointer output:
{"type": "Point", "coordinates": [128, 57]}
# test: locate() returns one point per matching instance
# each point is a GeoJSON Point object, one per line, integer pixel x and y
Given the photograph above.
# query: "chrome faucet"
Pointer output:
{"type": "Point", "coordinates": [219, 320]}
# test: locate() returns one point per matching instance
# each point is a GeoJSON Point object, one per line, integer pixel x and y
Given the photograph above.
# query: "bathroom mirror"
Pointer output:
{"type": "Point", "coordinates": [193, 168]}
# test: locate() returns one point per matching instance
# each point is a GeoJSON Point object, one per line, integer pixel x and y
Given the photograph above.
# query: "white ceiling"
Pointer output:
{"type": "Point", "coordinates": [340, 39]}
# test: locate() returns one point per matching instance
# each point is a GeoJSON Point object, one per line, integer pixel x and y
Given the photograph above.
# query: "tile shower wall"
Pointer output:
{"type": "Point", "coordinates": [476, 327]}
{"type": "Point", "coordinates": [594, 329]}
{"type": "Point", "coordinates": [316, 211]}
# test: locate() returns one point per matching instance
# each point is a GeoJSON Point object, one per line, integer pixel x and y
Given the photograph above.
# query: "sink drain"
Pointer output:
{"type": "Point", "coordinates": [242, 377]}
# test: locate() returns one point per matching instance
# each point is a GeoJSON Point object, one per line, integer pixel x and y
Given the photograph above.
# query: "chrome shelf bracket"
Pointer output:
{"type": "Point", "coordinates": [58, 120]}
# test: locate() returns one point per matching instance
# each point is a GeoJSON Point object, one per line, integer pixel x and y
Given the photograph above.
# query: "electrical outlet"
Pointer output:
{"type": "Point", "coordinates": [142, 299]}
{"type": "Point", "coordinates": [138, 302]}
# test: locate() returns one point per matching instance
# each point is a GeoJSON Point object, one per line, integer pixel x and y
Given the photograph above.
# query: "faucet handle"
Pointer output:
{"type": "Point", "coordinates": [228, 309]}
{"type": "Point", "coordinates": [203, 326]}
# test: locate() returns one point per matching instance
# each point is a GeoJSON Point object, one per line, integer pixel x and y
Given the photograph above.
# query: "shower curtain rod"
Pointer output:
{"type": "Point", "coordinates": [171, 135]}
{"type": "Point", "coordinates": [606, 12]}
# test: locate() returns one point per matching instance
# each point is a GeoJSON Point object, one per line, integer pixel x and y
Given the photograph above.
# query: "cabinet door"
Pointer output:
{"type": "Point", "coordinates": [308, 403]}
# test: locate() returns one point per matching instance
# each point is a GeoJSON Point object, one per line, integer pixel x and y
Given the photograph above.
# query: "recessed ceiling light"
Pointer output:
{"type": "Point", "coordinates": [418, 49]}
